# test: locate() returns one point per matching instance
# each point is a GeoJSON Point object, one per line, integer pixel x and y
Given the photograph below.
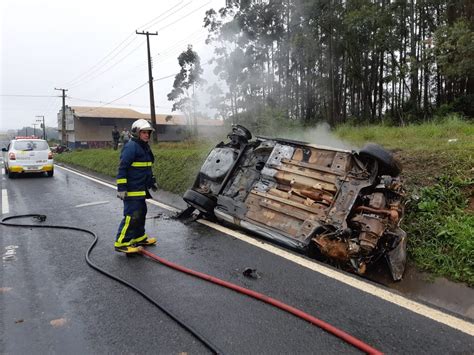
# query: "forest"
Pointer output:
{"type": "Point", "coordinates": [391, 62]}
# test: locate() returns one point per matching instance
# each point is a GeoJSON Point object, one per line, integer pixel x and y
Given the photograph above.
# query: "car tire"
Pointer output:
{"type": "Point", "coordinates": [388, 165]}
{"type": "Point", "coordinates": [200, 202]}
{"type": "Point", "coordinates": [50, 173]}
{"type": "Point", "coordinates": [242, 132]}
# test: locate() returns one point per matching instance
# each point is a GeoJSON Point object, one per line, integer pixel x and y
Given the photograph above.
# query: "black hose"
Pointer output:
{"type": "Point", "coordinates": [42, 218]}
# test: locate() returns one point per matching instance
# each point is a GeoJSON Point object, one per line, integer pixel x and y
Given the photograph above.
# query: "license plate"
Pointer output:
{"type": "Point", "coordinates": [32, 167]}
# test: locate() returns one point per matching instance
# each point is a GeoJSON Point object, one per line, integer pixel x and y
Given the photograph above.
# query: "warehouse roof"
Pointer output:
{"type": "Point", "coordinates": [126, 113]}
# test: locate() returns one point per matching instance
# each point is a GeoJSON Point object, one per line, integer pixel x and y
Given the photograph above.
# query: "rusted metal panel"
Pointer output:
{"type": "Point", "coordinates": [308, 197]}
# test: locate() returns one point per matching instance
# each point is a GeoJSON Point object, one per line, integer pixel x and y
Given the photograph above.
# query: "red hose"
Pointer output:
{"type": "Point", "coordinates": [326, 326]}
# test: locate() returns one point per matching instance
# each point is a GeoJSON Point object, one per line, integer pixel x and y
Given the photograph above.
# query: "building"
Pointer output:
{"type": "Point", "coordinates": [91, 127]}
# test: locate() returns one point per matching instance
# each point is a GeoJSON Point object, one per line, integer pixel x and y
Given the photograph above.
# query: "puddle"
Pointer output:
{"type": "Point", "coordinates": [440, 292]}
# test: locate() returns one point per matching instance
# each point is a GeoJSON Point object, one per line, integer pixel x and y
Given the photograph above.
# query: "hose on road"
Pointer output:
{"type": "Point", "coordinates": [359, 344]}
{"type": "Point", "coordinates": [208, 344]}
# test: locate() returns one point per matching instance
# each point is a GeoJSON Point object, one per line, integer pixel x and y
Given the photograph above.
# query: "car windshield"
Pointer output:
{"type": "Point", "coordinates": [31, 145]}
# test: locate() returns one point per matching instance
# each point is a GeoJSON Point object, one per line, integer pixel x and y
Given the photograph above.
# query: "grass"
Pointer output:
{"type": "Point", "coordinates": [438, 174]}
{"type": "Point", "coordinates": [176, 164]}
{"type": "Point", "coordinates": [441, 230]}
{"type": "Point", "coordinates": [438, 161]}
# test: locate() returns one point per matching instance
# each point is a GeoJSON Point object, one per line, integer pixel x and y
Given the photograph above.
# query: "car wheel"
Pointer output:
{"type": "Point", "coordinates": [388, 165]}
{"type": "Point", "coordinates": [242, 131]}
{"type": "Point", "coordinates": [200, 202]}
{"type": "Point", "coordinates": [50, 173]}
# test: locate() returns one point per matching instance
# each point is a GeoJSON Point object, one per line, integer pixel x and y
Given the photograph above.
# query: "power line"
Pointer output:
{"type": "Point", "coordinates": [101, 102]}
{"type": "Point", "coordinates": [84, 80]}
{"type": "Point", "coordinates": [121, 97]}
{"type": "Point", "coordinates": [101, 63]}
{"type": "Point", "coordinates": [6, 95]}
{"type": "Point", "coordinates": [183, 17]}
{"type": "Point", "coordinates": [152, 22]}
{"type": "Point", "coordinates": [165, 77]}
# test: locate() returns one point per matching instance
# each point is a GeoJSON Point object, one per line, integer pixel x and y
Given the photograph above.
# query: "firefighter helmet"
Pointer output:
{"type": "Point", "coordinates": [140, 125]}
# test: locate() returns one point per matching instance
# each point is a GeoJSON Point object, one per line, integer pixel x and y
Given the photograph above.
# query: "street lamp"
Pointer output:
{"type": "Point", "coordinates": [42, 125]}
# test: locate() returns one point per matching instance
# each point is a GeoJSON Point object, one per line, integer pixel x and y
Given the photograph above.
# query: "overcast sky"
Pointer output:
{"type": "Point", "coordinates": [91, 49]}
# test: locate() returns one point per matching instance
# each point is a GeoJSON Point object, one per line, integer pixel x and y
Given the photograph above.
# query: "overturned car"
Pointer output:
{"type": "Point", "coordinates": [341, 206]}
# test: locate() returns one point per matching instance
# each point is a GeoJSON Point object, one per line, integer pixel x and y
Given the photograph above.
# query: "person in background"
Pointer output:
{"type": "Point", "coordinates": [125, 136]}
{"type": "Point", "coordinates": [134, 179]}
{"type": "Point", "coordinates": [115, 137]}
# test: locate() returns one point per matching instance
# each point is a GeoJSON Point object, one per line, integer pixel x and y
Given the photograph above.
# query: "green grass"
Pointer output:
{"type": "Point", "coordinates": [441, 231]}
{"type": "Point", "coordinates": [176, 164]}
{"type": "Point", "coordinates": [450, 134]}
{"type": "Point", "coordinates": [438, 161]}
{"type": "Point", "coordinates": [438, 174]}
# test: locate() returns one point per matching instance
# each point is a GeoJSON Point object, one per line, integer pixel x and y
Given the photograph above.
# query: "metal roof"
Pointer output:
{"type": "Point", "coordinates": [126, 113]}
{"type": "Point", "coordinates": [107, 112]}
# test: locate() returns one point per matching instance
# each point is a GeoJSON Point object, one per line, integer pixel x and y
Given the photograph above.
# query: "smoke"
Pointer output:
{"type": "Point", "coordinates": [320, 134]}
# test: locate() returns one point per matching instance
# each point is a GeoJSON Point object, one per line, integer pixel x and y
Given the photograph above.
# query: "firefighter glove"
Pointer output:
{"type": "Point", "coordinates": [154, 186]}
{"type": "Point", "coordinates": [121, 194]}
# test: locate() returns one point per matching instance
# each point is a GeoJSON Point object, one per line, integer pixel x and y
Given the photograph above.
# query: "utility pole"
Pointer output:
{"type": "Point", "coordinates": [43, 126]}
{"type": "Point", "coordinates": [150, 82]}
{"type": "Point", "coordinates": [63, 120]}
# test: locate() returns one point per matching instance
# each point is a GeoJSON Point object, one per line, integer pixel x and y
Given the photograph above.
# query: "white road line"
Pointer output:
{"type": "Point", "coordinates": [153, 202]}
{"type": "Point", "coordinates": [418, 308]}
{"type": "Point", "coordinates": [369, 288]}
{"type": "Point", "coordinates": [5, 206]}
{"type": "Point", "coordinates": [92, 204]}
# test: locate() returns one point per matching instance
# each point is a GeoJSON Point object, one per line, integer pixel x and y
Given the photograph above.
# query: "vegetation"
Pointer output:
{"type": "Point", "coordinates": [185, 85]}
{"type": "Point", "coordinates": [441, 230]}
{"type": "Point", "coordinates": [364, 61]}
{"type": "Point", "coordinates": [175, 168]}
{"type": "Point", "coordinates": [437, 158]}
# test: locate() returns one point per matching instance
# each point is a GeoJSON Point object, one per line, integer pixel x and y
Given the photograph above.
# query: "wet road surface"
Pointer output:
{"type": "Point", "coordinates": [52, 302]}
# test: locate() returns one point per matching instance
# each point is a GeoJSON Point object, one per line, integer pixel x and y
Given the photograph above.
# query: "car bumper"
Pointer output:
{"type": "Point", "coordinates": [30, 169]}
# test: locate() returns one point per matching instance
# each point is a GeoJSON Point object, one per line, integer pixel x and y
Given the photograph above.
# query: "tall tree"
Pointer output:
{"type": "Point", "coordinates": [185, 84]}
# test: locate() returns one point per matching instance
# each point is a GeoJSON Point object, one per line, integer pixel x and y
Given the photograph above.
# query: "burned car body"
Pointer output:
{"type": "Point", "coordinates": [339, 205]}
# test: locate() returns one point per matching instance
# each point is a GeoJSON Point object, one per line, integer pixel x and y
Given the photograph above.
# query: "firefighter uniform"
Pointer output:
{"type": "Point", "coordinates": [135, 176]}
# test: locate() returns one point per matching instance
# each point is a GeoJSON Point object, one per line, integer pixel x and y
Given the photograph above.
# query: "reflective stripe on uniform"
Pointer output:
{"type": "Point", "coordinates": [141, 164]}
{"type": "Point", "coordinates": [139, 239]}
{"type": "Point", "coordinates": [136, 193]}
{"type": "Point", "coordinates": [119, 243]}
{"type": "Point", "coordinates": [121, 181]}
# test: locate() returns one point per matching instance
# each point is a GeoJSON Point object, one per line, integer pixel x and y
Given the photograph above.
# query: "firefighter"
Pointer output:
{"type": "Point", "coordinates": [134, 179]}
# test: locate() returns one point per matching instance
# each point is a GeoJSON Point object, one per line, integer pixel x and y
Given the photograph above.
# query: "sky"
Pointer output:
{"type": "Point", "coordinates": [91, 49]}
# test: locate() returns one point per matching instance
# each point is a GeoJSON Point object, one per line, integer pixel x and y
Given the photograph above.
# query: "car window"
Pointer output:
{"type": "Point", "coordinates": [30, 145]}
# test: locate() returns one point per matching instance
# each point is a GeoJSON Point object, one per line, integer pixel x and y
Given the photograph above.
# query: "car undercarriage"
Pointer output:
{"type": "Point", "coordinates": [341, 206]}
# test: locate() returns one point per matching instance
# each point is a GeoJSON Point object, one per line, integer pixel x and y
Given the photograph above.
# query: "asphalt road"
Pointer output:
{"type": "Point", "coordinates": [51, 301]}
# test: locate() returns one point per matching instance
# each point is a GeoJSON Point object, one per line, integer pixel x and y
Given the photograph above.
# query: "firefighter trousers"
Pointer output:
{"type": "Point", "coordinates": [132, 226]}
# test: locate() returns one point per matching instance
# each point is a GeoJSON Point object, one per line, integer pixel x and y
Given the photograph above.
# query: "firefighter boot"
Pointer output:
{"type": "Point", "coordinates": [147, 242]}
{"type": "Point", "coordinates": [127, 249]}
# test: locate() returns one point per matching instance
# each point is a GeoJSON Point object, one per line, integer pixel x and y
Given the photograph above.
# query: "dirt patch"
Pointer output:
{"type": "Point", "coordinates": [421, 168]}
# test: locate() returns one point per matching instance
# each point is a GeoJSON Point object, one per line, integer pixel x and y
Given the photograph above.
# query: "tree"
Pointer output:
{"type": "Point", "coordinates": [185, 84]}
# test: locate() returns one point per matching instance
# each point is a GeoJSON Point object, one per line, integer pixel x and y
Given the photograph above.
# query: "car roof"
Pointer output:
{"type": "Point", "coordinates": [28, 139]}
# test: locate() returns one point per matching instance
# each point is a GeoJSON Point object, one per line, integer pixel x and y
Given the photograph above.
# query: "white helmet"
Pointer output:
{"type": "Point", "coordinates": [140, 125]}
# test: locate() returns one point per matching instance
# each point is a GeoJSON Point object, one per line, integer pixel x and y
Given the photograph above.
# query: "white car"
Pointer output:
{"type": "Point", "coordinates": [28, 155]}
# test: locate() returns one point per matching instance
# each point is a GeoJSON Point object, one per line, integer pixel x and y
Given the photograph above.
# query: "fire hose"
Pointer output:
{"type": "Point", "coordinates": [357, 343]}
